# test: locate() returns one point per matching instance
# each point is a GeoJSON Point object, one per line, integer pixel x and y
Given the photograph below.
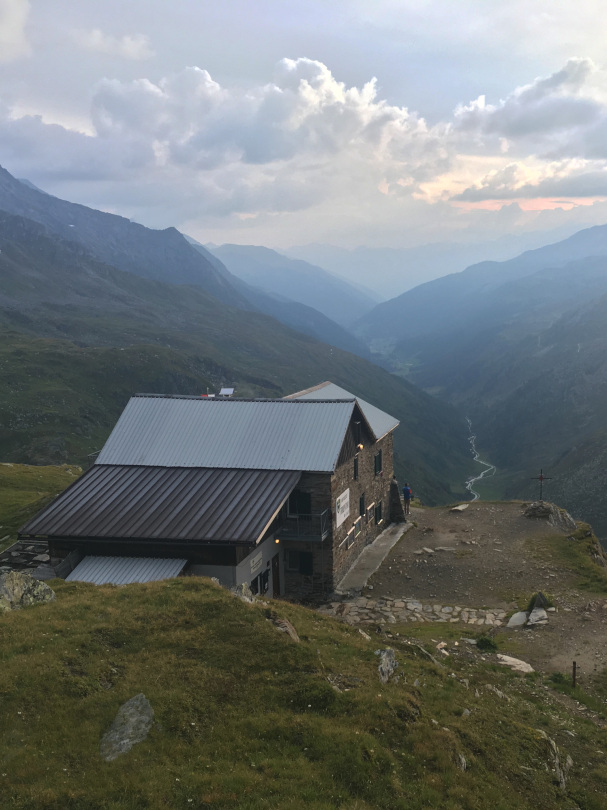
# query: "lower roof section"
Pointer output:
{"type": "Point", "coordinates": [160, 503]}
{"type": "Point", "coordinates": [125, 570]}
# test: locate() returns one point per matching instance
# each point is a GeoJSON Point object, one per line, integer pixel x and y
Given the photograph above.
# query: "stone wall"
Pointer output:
{"type": "Point", "coordinates": [376, 488]}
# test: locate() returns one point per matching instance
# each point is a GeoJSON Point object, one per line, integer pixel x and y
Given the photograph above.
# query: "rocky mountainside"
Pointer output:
{"type": "Point", "coordinates": [116, 241]}
{"type": "Point", "coordinates": [165, 256]}
{"type": "Point", "coordinates": [297, 280]}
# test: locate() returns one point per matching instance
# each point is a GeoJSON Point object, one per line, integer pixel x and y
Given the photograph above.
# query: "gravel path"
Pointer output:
{"type": "Point", "coordinates": [476, 567]}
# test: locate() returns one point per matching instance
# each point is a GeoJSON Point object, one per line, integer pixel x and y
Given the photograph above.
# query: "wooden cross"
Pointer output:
{"type": "Point", "coordinates": [541, 478]}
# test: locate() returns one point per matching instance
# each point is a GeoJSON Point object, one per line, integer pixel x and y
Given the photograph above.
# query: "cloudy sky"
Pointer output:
{"type": "Point", "coordinates": [282, 122]}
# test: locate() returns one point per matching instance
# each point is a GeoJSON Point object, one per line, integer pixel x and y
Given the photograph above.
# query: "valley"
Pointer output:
{"type": "Point", "coordinates": [520, 347]}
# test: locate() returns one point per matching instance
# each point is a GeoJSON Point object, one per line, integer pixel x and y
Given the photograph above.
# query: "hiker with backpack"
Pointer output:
{"type": "Point", "coordinates": [407, 495]}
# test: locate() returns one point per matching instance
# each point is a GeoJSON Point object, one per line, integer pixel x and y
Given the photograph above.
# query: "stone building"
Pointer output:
{"type": "Point", "coordinates": [280, 494]}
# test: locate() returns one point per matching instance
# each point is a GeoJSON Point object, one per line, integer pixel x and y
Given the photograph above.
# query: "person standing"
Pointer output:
{"type": "Point", "coordinates": [407, 495]}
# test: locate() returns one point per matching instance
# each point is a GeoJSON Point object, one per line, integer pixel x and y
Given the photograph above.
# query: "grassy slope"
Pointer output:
{"type": "Point", "coordinates": [24, 490]}
{"type": "Point", "coordinates": [248, 719]}
{"type": "Point", "coordinates": [60, 400]}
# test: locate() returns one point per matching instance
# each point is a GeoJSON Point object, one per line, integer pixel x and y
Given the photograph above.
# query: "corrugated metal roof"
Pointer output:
{"type": "Point", "coordinates": [156, 503]}
{"type": "Point", "coordinates": [229, 433]}
{"type": "Point", "coordinates": [125, 570]}
{"type": "Point", "coordinates": [379, 421]}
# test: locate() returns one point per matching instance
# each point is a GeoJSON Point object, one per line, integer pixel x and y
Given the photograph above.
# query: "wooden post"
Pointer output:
{"type": "Point", "coordinates": [574, 674]}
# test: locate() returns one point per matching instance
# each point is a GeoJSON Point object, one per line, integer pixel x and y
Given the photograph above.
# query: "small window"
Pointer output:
{"type": "Point", "coordinates": [301, 562]}
{"type": "Point", "coordinates": [358, 527]}
{"type": "Point", "coordinates": [356, 468]}
{"type": "Point", "coordinates": [306, 562]}
{"type": "Point", "coordinates": [300, 503]}
{"type": "Point", "coordinates": [291, 559]}
{"type": "Point", "coordinates": [379, 463]}
{"type": "Point", "coordinates": [371, 512]}
{"type": "Point", "coordinates": [378, 513]}
{"type": "Point", "coordinates": [361, 505]}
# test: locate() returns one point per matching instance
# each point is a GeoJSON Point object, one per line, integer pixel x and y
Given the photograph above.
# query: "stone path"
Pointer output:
{"type": "Point", "coordinates": [24, 556]}
{"type": "Point", "coordinates": [367, 610]}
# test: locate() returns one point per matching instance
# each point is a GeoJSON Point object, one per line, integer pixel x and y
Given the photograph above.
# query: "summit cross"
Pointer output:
{"type": "Point", "coordinates": [541, 478]}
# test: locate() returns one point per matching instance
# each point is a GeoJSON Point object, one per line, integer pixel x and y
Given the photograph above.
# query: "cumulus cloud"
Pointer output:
{"type": "Point", "coordinates": [130, 46]}
{"type": "Point", "coordinates": [280, 145]}
{"type": "Point", "coordinates": [305, 141]}
{"type": "Point", "coordinates": [547, 111]}
{"type": "Point", "coordinates": [506, 185]}
{"type": "Point", "coordinates": [13, 18]}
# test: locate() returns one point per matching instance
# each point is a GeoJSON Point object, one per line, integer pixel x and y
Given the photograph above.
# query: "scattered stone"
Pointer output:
{"type": "Point", "coordinates": [514, 663]}
{"type": "Point", "coordinates": [364, 635]}
{"type": "Point", "coordinates": [497, 692]}
{"type": "Point", "coordinates": [387, 664]}
{"type": "Point", "coordinates": [428, 550]}
{"type": "Point", "coordinates": [284, 625]}
{"type": "Point", "coordinates": [466, 713]}
{"type": "Point", "coordinates": [131, 725]}
{"type": "Point", "coordinates": [460, 508]}
{"type": "Point", "coordinates": [537, 616]}
{"type": "Point", "coordinates": [18, 590]}
{"type": "Point", "coordinates": [518, 619]}
{"type": "Point", "coordinates": [461, 761]}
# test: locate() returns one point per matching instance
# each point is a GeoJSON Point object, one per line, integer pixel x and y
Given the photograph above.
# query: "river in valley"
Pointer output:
{"type": "Point", "coordinates": [489, 469]}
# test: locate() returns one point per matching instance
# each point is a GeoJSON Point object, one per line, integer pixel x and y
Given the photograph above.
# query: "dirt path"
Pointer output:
{"type": "Point", "coordinates": [491, 557]}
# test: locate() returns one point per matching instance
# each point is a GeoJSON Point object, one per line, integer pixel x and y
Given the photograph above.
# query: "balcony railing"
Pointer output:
{"type": "Point", "coordinates": [314, 525]}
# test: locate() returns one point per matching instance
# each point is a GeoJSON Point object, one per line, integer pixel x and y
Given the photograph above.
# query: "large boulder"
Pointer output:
{"type": "Point", "coordinates": [18, 590]}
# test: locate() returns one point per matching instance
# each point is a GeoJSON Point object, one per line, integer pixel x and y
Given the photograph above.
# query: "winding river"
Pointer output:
{"type": "Point", "coordinates": [489, 468]}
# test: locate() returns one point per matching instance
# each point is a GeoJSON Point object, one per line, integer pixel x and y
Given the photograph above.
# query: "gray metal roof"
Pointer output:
{"type": "Point", "coordinates": [166, 504]}
{"type": "Point", "coordinates": [379, 421]}
{"type": "Point", "coordinates": [229, 433]}
{"type": "Point", "coordinates": [125, 570]}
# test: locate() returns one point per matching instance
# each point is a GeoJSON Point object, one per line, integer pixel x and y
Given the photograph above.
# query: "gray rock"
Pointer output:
{"type": "Point", "coordinates": [131, 725]}
{"type": "Point", "coordinates": [514, 663]}
{"type": "Point", "coordinates": [559, 518]}
{"type": "Point", "coordinates": [18, 590]}
{"type": "Point", "coordinates": [518, 619]}
{"type": "Point", "coordinates": [243, 592]}
{"type": "Point", "coordinates": [538, 615]}
{"type": "Point", "coordinates": [387, 664]}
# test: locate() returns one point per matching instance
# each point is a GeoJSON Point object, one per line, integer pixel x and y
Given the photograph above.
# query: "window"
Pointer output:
{"type": "Point", "coordinates": [358, 527]}
{"type": "Point", "coordinates": [306, 563]}
{"type": "Point", "coordinates": [378, 513]}
{"type": "Point", "coordinates": [300, 503]}
{"type": "Point", "coordinates": [371, 512]}
{"type": "Point", "coordinates": [291, 559]}
{"type": "Point", "coordinates": [379, 463]}
{"type": "Point", "coordinates": [301, 562]}
{"type": "Point", "coordinates": [356, 468]}
{"type": "Point", "coordinates": [361, 505]}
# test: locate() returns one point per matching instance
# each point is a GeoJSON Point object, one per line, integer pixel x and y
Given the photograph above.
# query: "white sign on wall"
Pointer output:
{"type": "Point", "coordinates": [342, 508]}
{"type": "Point", "coordinates": [256, 562]}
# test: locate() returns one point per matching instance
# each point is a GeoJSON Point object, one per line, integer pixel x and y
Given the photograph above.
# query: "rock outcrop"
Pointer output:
{"type": "Point", "coordinates": [18, 590]}
{"type": "Point", "coordinates": [559, 518]}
